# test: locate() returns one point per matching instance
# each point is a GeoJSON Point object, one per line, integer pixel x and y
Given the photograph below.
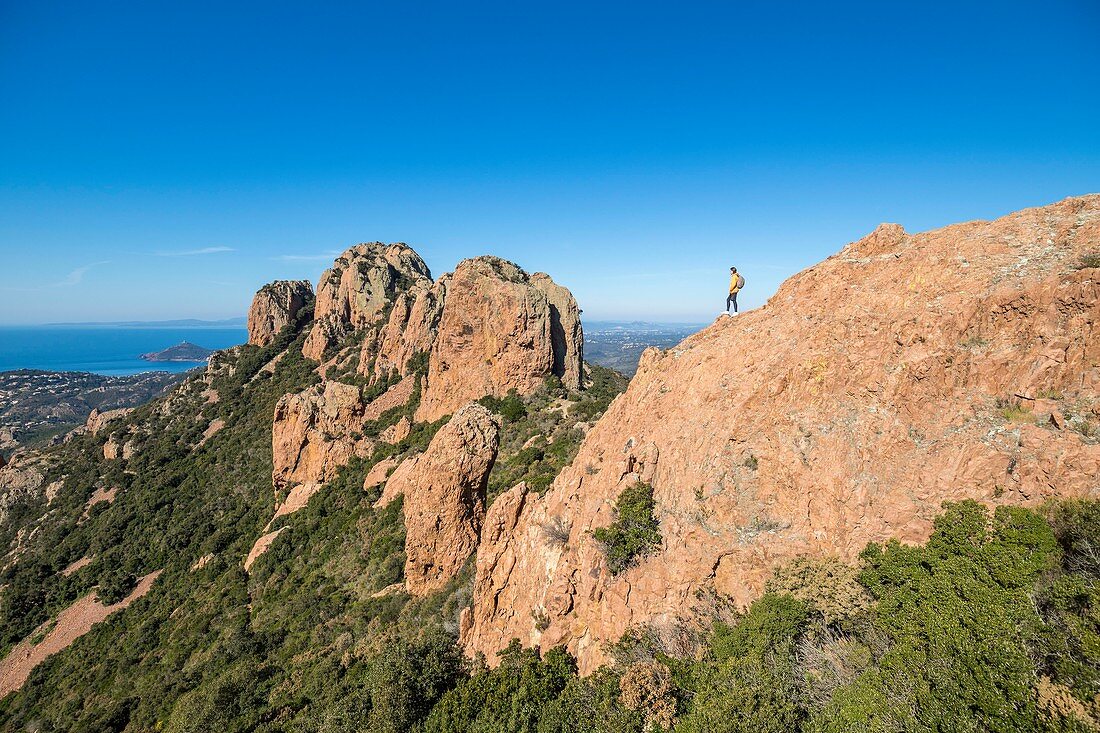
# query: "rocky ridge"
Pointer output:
{"type": "Point", "coordinates": [902, 372]}
{"type": "Point", "coordinates": [397, 349]}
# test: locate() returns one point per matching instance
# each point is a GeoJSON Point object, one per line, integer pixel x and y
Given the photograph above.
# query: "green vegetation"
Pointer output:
{"type": "Point", "coordinates": [1088, 260]}
{"type": "Point", "coordinates": [1013, 411]}
{"type": "Point", "coordinates": [539, 436]}
{"type": "Point", "coordinates": [635, 532]}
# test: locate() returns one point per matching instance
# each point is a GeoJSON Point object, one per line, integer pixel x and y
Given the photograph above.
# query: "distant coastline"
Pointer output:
{"type": "Point", "coordinates": [107, 350]}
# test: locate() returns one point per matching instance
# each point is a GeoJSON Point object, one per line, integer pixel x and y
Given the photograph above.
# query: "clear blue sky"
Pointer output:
{"type": "Point", "coordinates": [164, 160]}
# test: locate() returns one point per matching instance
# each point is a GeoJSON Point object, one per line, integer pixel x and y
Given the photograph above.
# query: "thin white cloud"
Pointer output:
{"type": "Point", "coordinates": [323, 257]}
{"type": "Point", "coordinates": [193, 252]}
{"type": "Point", "coordinates": [77, 275]}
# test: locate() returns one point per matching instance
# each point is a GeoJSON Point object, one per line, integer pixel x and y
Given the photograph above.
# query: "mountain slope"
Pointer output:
{"type": "Point", "coordinates": [902, 372]}
{"type": "Point", "coordinates": [249, 496]}
{"type": "Point", "coordinates": [314, 540]}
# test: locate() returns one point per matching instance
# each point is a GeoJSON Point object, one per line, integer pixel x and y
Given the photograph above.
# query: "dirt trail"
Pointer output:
{"type": "Point", "coordinates": [71, 624]}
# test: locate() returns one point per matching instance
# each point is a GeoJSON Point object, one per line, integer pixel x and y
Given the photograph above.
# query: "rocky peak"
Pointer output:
{"type": "Point", "coordinates": [566, 333]}
{"type": "Point", "coordinates": [499, 330]}
{"type": "Point", "coordinates": [358, 290]}
{"type": "Point", "coordinates": [274, 307]}
{"type": "Point", "coordinates": [486, 329]}
{"type": "Point", "coordinates": [907, 370]}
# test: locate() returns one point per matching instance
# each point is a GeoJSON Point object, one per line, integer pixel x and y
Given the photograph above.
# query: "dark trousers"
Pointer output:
{"type": "Point", "coordinates": [731, 299]}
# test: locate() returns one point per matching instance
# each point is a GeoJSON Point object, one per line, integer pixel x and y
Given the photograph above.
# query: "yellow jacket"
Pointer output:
{"type": "Point", "coordinates": [734, 279]}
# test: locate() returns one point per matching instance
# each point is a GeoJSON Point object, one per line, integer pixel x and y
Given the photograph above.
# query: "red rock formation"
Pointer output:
{"type": "Point", "coordinates": [274, 307]}
{"type": "Point", "coordinates": [316, 432]}
{"type": "Point", "coordinates": [872, 387]}
{"type": "Point", "coordinates": [566, 334]}
{"type": "Point", "coordinates": [359, 289]}
{"type": "Point", "coordinates": [495, 334]}
{"type": "Point", "coordinates": [444, 490]}
{"type": "Point", "coordinates": [410, 330]}
{"type": "Point", "coordinates": [98, 420]}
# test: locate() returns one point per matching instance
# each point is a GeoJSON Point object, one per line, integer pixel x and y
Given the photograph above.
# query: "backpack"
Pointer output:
{"type": "Point", "coordinates": [740, 281]}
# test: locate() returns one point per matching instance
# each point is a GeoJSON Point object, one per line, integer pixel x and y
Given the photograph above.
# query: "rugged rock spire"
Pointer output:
{"type": "Point", "coordinates": [902, 372]}
{"type": "Point", "coordinates": [444, 490]}
{"type": "Point", "coordinates": [486, 329]}
{"type": "Point", "coordinates": [274, 306]}
{"type": "Point", "coordinates": [566, 334]}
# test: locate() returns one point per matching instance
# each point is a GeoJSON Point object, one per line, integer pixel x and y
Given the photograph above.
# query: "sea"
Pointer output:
{"type": "Point", "coordinates": [109, 350]}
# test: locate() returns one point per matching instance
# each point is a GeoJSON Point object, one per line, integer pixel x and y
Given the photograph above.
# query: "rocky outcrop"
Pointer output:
{"type": "Point", "coordinates": [21, 480]}
{"type": "Point", "coordinates": [410, 330]}
{"type": "Point", "coordinates": [488, 328]}
{"type": "Point", "coordinates": [98, 420]}
{"type": "Point", "coordinates": [902, 372]}
{"type": "Point", "coordinates": [118, 447]}
{"type": "Point", "coordinates": [444, 490]}
{"type": "Point", "coordinates": [566, 334]}
{"type": "Point", "coordinates": [317, 431]}
{"type": "Point", "coordinates": [496, 334]}
{"type": "Point", "coordinates": [274, 307]}
{"type": "Point", "coordinates": [358, 291]}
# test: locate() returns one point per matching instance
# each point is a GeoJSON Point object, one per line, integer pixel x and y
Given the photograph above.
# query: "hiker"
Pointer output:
{"type": "Point", "coordinates": [736, 283]}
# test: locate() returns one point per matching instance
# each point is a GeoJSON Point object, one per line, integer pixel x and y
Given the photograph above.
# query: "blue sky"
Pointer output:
{"type": "Point", "coordinates": [164, 160]}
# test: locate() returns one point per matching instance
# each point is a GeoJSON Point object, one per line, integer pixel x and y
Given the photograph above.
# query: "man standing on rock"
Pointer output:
{"type": "Point", "coordinates": [736, 283]}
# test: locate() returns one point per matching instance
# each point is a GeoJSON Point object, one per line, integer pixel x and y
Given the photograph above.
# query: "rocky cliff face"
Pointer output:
{"type": "Point", "coordinates": [359, 289]}
{"type": "Point", "coordinates": [444, 490]}
{"type": "Point", "coordinates": [902, 372]}
{"type": "Point", "coordinates": [274, 307]}
{"type": "Point", "coordinates": [499, 330]}
{"type": "Point", "coordinates": [317, 431]}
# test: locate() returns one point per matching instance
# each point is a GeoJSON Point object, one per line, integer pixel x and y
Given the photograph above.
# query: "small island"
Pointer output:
{"type": "Point", "coordinates": [184, 351]}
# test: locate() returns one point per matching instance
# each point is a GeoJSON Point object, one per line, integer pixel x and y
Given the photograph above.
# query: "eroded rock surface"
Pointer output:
{"type": "Point", "coordinates": [317, 431]}
{"type": "Point", "coordinates": [359, 290]}
{"type": "Point", "coordinates": [98, 420]}
{"type": "Point", "coordinates": [274, 307]}
{"type": "Point", "coordinates": [496, 333]}
{"type": "Point", "coordinates": [444, 490]}
{"type": "Point", "coordinates": [870, 389]}
{"type": "Point", "coordinates": [21, 479]}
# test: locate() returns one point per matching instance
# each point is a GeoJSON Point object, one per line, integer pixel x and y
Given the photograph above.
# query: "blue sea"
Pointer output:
{"type": "Point", "coordinates": [111, 350]}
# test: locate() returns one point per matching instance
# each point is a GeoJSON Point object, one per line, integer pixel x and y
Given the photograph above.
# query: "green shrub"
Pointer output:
{"type": "Point", "coordinates": [511, 407]}
{"type": "Point", "coordinates": [1088, 260]}
{"type": "Point", "coordinates": [635, 532]}
{"type": "Point", "coordinates": [748, 679]}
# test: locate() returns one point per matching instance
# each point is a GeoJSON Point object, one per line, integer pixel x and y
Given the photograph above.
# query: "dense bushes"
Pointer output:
{"type": "Point", "coordinates": [635, 531]}
{"type": "Point", "coordinates": [965, 633]}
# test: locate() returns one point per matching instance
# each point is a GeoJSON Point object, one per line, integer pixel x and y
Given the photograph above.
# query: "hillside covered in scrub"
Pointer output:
{"type": "Point", "coordinates": [409, 504]}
